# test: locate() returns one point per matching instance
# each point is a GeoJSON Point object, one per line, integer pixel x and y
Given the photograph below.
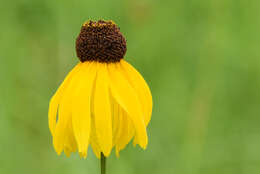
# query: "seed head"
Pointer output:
{"type": "Point", "coordinates": [100, 41]}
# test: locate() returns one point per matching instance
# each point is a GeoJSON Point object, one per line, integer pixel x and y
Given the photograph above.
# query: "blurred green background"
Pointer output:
{"type": "Point", "coordinates": [201, 59]}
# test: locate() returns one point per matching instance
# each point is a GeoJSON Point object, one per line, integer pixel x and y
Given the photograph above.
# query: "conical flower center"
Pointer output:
{"type": "Point", "coordinates": [100, 41]}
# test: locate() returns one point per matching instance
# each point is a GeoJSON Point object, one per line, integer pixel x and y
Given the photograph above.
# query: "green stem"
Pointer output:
{"type": "Point", "coordinates": [103, 164]}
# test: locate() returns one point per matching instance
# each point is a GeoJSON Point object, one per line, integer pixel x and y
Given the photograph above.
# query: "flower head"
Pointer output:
{"type": "Point", "coordinates": [103, 102]}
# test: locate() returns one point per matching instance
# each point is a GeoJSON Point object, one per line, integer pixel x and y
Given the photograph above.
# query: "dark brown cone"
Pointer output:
{"type": "Point", "coordinates": [100, 41]}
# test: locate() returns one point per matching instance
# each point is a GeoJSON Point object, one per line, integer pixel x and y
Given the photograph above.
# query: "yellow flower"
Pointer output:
{"type": "Point", "coordinates": [103, 102]}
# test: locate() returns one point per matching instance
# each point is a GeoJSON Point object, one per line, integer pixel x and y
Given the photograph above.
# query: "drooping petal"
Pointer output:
{"type": "Point", "coordinates": [64, 112]}
{"type": "Point", "coordinates": [93, 135]}
{"type": "Point", "coordinates": [102, 110]}
{"type": "Point", "coordinates": [117, 119]}
{"type": "Point", "coordinates": [55, 100]}
{"type": "Point", "coordinates": [127, 98]}
{"type": "Point", "coordinates": [81, 114]}
{"type": "Point", "coordinates": [138, 83]}
{"type": "Point", "coordinates": [126, 132]}
{"type": "Point", "coordinates": [67, 151]}
{"type": "Point", "coordinates": [94, 140]}
{"type": "Point", "coordinates": [83, 154]}
{"type": "Point", "coordinates": [70, 144]}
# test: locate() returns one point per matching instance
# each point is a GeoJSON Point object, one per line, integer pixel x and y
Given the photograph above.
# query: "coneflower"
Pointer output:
{"type": "Point", "coordinates": [103, 102]}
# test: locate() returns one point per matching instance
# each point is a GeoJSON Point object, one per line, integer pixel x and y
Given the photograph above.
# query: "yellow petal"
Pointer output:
{"type": "Point", "coordinates": [93, 136]}
{"type": "Point", "coordinates": [117, 119]}
{"type": "Point", "coordinates": [65, 111]}
{"type": "Point", "coordinates": [94, 141]}
{"type": "Point", "coordinates": [102, 110]}
{"type": "Point", "coordinates": [81, 114]}
{"type": "Point", "coordinates": [126, 132]}
{"type": "Point", "coordinates": [67, 151]}
{"type": "Point", "coordinates": [55, 100]}
{"type": "Point", "coordinates": [83, 154]}
{"type": "Point", "coordinates": [127, 98]}
{"type": "Point", "coordinates": [138, 83]}
{"type": "Point", "coordinates": [70, 144]}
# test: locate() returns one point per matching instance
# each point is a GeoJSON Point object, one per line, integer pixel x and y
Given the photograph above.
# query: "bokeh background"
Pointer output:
{"type": "Point", "coordinates": [201, 59]}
